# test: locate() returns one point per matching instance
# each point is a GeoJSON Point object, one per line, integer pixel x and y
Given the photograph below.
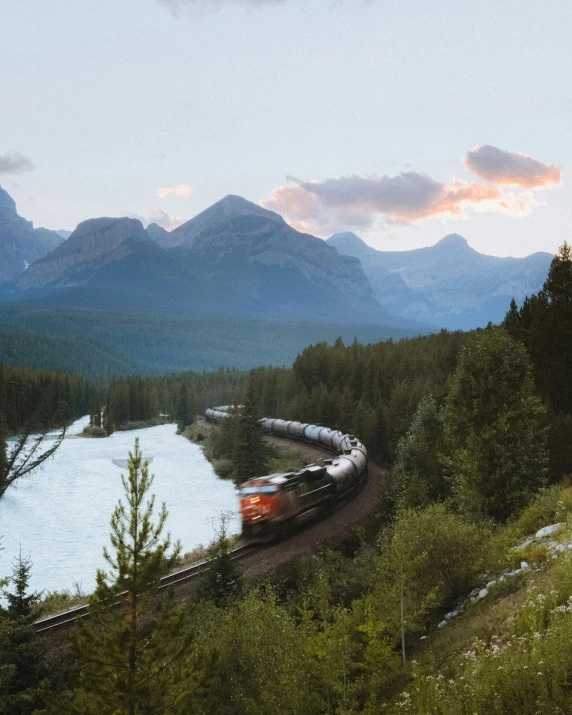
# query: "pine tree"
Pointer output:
{"type": "Point", "coordinates": [222, 580]}
{"type": "Point", "coordinates": [511, 321]}
{"type": "Point", "coordinates": [494, 427]}
{"type": "Point", "coordinates": [23, 651]}
{"type": "Point", "coordinates": [183, 413]}
{"type": "Point", "coordinates": [417, 476]}
{"type": "Point", "coordinates": [250, 452]}
{"type": "Point", "coordinates": [134, 652]}
{"type": "Point", "coordinates": [558, 284]}
{"type": "Point", "coordinates": [3, 430]}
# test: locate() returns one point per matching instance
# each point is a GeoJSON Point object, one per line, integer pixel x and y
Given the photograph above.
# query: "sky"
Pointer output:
{"type": "Point", "coordinates": [401, 121]}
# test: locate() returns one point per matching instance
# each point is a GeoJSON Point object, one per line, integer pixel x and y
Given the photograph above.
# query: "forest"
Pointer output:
{"type": "Point", "coordinates": [474, 430]}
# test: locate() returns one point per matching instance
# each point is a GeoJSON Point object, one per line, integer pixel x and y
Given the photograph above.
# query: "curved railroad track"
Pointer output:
{"type": "Point", "coordinates": [260, 558]}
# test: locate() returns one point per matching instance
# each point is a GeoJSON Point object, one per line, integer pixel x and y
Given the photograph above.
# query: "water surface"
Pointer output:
{"type": "Point", "coordinates": [60, 514]}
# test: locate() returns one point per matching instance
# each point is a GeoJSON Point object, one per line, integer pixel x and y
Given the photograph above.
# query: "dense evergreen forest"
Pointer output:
{"type": "Point", "coordinates": [374, 390]}
{"type": "Point", "coordinates": [42, 396]}
{"type": "Point", "coordinates": [450, 601]}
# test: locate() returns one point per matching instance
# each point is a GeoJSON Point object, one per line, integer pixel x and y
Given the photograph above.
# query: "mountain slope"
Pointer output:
{"type": "Point", "coordinates": [449, 284]}
{"type": "Point", "coordinates": [20, 243]}
{"type": "Point", "coordinates": [112, 264]}
{"type": "Point", "coordinates": [276, 271]}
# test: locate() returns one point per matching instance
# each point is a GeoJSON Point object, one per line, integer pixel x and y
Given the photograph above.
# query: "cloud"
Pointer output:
{"type": "Point", "coordinates": [14, 163]}
{"type": "Point", "coordinates": [509, 167]}
{"type": "Point", "coordinates": [181, 190]}
{"type": "Point", "coordinates": [179, 8]}
{"type": "Point", "coordinates": [358, 201]}
{"type": "Point", "coordinates": [168, 222]}
{"type": "Point", "coordinates": [160, 217]}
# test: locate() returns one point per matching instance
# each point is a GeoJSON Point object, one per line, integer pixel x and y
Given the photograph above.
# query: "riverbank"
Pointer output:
{"type": "Point", "coordinates": [60, 514]}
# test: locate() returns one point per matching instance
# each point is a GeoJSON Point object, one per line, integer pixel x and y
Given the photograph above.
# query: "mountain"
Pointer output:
{"type": "Point", "coordinates": [233, 260]}
{"type": "Point", "coordinates": [276, 270]}
{"type": "Point", "coordinates": [156, 232]}
{"type": "Point", "coordinates": [449, 284]}
{"type": "Point", "coordinates": [20, 243]}
{"type": "Point", "coordinates": [235, 286]}
{"type": "Point", "coordinates": [112, 264]}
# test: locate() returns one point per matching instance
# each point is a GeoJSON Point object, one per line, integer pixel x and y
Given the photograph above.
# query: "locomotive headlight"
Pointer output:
{"type": "Point", "coordinates": [254, 500]}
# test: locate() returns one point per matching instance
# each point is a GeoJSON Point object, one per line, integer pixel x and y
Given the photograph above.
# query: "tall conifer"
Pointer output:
{"type": "Point", "coordinates": [134, 652]}
{"type": "Point", "coordinates": [250, 454]}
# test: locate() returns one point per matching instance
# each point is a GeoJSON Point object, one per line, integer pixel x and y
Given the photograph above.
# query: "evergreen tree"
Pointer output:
{"type": "Point", "coordinates": [250, 452]}
{"type": "Point", "coordinates": [512, 319]}
{"type": "Point", "coordinates": [495, 427]}
{"type": "Point", "coordinates": [134, 652]}
{"type": "Point", "coordinates": [417, 477]}
{"type": "Point", "coordinates": [183, 415]}
{"type": "Point", "coordinates": [23, 651]}
{"type": "Point", "coordinates": [222, 580]}
{"type": "Point", "coordinates": [3, 428]}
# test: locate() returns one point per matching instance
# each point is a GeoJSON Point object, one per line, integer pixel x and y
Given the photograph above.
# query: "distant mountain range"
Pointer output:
{"type": "Point", "coordinates": [233, 260]}
{"type": "Point", "coordinates": [20, 243]}
{"type": "Point", "coordinates": [234, 286]}
{"type": "Point", "coordinates": [449, 284]}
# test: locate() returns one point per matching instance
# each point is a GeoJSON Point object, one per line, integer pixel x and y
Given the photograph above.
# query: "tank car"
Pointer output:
{"type": "Point", "coordinates": [271, 503]}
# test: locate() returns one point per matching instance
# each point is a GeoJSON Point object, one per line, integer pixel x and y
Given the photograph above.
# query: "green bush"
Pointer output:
{"type": "Point", "coordinates": [551, 505]}
{"type": "Point", "coordinates": [453, 547]}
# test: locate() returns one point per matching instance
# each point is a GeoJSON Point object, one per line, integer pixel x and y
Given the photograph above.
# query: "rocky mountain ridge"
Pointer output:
{"type": "Point", "coordinates": [20, 243]}
{"type": "Point", "coordinates": [233, 260]}
{"type": "Point", "coordinates": [449, 284]}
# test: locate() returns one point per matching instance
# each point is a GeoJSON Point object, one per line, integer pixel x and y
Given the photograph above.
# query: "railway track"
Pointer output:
{"type": "Point", "coordinates": [64, 620]}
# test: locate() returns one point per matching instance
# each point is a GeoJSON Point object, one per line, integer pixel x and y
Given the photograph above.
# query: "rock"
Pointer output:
{"type": "Point", "coordinates": [547, 530]}
{"type": "Point", "coordinates": [451, 615]}
{"type": "Point", "coordinates": [561, 548]}
{"type": "Point", "coordinates": [482, 593]}
{"type": "Point", "coordinates": [423, 638]}
{"type": "Point", "coordinates": [474, 592]}
{"type": "Point", "coordinates": [442, 624]}
{"type": "Point", "coordinates": [524, 544]}
{"type": "Point", "coordinates": [523, 565]}
{"type": "Point", "coordinates": [490, 584]}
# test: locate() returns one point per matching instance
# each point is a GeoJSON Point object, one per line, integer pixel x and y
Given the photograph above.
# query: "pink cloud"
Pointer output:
{"type": "Point", "coordinates": [509, 167]}
{"type": "Point", "coordinates": [181, 190]}
{"type": "Point", "coordinates": [357, 201]}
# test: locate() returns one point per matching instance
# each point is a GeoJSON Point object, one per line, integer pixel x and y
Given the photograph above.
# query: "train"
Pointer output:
{"type": "Point", "coordinates": [273, 504]}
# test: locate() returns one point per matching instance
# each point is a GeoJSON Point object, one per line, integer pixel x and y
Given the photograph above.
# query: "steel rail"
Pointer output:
{"type": "Point", "coordinates": [67, 619]}
{"type": "Point", "coordinates": [172, 580]}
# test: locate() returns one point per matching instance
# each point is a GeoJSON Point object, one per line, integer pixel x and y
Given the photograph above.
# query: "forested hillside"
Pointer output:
{"type": "Point", "coordinates": [454, 598]}
{"type": "Point", "coordinates": [25, 392]}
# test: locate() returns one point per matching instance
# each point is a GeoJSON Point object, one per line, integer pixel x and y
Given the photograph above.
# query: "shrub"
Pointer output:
{"type": "Point", "coordinates": [453, 546]}
{"type": "Point", "coordinates": [551, 505]}
{"type": "Point", "coordinates": [93, 431]}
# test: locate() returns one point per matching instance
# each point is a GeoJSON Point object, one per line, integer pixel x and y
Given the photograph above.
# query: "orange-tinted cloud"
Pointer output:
{"type": "Point", "coordinates": [357, 201]}
{"type": "Point", "coordinates": [509, 167]}
{"type": "Point", "coordinates": [181, 190]}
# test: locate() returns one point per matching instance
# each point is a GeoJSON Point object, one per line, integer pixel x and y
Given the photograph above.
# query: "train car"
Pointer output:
{"type": "Point", "coordinates": [271, 503]}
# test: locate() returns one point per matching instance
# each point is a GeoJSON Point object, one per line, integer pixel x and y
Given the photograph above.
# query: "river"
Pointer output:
{"type": "Point", "coordinates": [59, 515]}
